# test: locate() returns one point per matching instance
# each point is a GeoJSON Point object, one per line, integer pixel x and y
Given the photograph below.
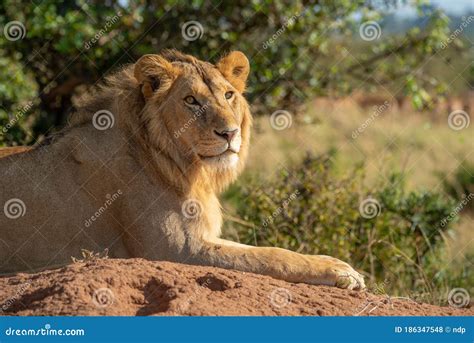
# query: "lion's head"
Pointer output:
{"type": "Point", "coordinates": [195, 111]}
{"type": "Point", "coordinates": [189, 117]}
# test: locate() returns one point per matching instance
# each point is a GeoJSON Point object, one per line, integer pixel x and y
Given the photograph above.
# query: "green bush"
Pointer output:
{"type": "Point", "coordinates": [63, 45]}
{"type": "Point", "coordinates": [461, 184]}
{"type": "Point", "coordinates": [394, 236]}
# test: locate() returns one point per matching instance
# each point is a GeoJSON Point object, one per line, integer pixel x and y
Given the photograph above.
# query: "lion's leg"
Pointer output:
{"type": "Point", "coordinates": [278, 263]}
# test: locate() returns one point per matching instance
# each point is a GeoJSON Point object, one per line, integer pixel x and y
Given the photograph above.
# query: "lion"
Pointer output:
{"type": "Point", "coordinates": [138, 171]}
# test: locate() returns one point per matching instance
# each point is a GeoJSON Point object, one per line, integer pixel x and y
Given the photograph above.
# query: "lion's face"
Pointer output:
{"type": "Point", "coordinates": [209, 116]}
{"type": "Point", "coordinates": [200, 104]}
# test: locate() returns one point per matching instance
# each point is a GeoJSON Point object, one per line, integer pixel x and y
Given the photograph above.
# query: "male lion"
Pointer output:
{"type": "Point", "coordinates": [138, 171]}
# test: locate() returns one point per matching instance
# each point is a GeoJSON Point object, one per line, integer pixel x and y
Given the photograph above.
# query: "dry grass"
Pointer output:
{"type": "Point", "coordinates": [421, 145]}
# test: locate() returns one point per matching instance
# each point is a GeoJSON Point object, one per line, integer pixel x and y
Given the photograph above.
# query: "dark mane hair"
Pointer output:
{"type": "Point", "coordinates": [119, 89]}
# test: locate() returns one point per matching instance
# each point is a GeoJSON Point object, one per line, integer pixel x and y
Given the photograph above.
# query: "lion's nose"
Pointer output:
{"type": "Point", "coordinates": [227, 134]}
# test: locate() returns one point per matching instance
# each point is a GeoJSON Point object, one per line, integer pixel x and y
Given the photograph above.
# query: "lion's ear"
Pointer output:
{"type": "Point", "coordinates": [154, 73]}
{"type": "Point", "coordinates": [235, 67]}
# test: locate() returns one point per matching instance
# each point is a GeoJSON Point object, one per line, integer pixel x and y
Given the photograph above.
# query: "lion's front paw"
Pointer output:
{"type": "Point", "coordinates": [347, 277]}
{"type": "Point", "coordinates": [338, 273]}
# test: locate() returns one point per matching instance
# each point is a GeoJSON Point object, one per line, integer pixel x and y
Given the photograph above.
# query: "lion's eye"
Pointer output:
{"type": "Point", "coordinates": [191, 100]}
{"type": "Point", "coordinates": [229, 95]}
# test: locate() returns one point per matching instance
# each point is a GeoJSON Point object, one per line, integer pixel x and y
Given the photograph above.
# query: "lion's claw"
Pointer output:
{"type": "Point", "coordinates": [347, 277]}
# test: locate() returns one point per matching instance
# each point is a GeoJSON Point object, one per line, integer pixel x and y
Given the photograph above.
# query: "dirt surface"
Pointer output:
{"type": "Point", "coordinates": [139, 287]}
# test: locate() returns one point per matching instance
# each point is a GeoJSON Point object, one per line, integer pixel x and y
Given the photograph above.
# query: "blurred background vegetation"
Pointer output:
{"type": "Point", "coordinates": [313, 60]}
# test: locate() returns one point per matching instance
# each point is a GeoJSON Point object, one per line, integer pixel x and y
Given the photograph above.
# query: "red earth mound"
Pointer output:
{"type": "Point", "coordinates": [138, 287]}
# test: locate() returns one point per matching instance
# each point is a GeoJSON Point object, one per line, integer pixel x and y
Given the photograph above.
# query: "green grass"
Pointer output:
{"type": "Point", "coordinates": [401, 159]}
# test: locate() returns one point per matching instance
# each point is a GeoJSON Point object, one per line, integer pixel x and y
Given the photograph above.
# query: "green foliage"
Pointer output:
{"type": "Point", "coordinates": [17, 93]}
{"type": "Point", "coordinates": [297, 49]}
{"type": "Point", "coordinates": [395, 236]}
{"type": "Point", "coordinates": [461, 184]}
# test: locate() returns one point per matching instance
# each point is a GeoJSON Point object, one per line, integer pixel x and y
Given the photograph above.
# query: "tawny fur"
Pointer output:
{"type": "Point", "coordinates": [161, 154]}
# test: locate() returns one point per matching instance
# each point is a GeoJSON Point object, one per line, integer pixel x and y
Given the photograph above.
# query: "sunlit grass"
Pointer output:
{"type": "Point", "coordinates": [421, 146]}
